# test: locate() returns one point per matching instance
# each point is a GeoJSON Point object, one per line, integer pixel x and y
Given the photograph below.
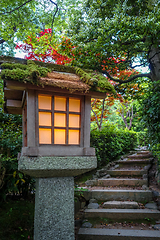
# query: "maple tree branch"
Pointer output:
{"type": "Point", "coordinates": [102, 113]}
{"type": "Point", "coordinates": [124, 119]}
{"type": "Point", "coordinates": [95, 117]}
{"type": "Point", "coordinates": [134, 41]}
{"type": "Point", "coordinates": [120, 81]}
{"type": "Point", "coordinates": [57, 9]}
{"type": "Point", "coordinates": [138, 65]}
{"type": "Point", "coordinates": [2, 41]}
{"type": "Point", "coordinates": [131, 118]}
{"type": "Point", "coordinates": [17, 7]}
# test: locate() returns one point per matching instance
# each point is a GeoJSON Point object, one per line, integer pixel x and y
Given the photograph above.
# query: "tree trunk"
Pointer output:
{"type": "Point", "coordinates": [154, 63]}
{"type": "Point", "coordinates": [129, 114]}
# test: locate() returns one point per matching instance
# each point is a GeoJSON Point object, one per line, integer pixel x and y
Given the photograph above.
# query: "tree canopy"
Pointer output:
{"type": "Point", "coordinates": [112, 32]}
{"type": "Point", "coordinates": [121, 30]}
{"type": "Point", "coordinates": [20, 18]}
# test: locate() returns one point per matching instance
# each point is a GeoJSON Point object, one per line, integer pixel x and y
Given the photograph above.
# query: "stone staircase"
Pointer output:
{"type": "Point", "coordinates": [118, 200]}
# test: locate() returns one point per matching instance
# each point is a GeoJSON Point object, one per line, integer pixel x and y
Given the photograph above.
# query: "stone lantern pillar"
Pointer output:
{"type": "Point", "coordinates": [56, 136]}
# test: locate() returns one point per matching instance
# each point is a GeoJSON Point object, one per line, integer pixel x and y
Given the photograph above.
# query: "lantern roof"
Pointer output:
{"type": "Point", "coordinates": [21, 74]}
{"type": "Point", "coordinates": [65, 77]}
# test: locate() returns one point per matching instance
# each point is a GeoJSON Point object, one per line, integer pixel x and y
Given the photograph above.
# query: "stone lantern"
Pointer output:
{"type": "Point", "coordinates": [55, 103]}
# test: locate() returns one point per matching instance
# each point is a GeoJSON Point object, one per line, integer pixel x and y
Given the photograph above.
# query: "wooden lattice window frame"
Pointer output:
{"type": "Point", "coordinates": [68, 129]}
{"type": "Point", "coordinates": [25, 124]}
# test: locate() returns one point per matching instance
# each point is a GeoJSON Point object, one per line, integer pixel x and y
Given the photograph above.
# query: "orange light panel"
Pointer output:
{"type": "Point", "coordinates": [73, 137]}
{"type": "Point", "coordinates": [59, 136]}
{"type": "Point", "coordinates": [44, 102]}
{"type": "Point", "coordinates": [74, 120]}
{"type": "Point", "coordinates": [44, 136]}
{"type": "Point", "coordinates": [44, 119]}
{"type": "Point", "coordinates": [60, 120]}
{"type": "Point", "coordinates": [60, 103]}
{"type": "Point", "coordinates": [74, 105]}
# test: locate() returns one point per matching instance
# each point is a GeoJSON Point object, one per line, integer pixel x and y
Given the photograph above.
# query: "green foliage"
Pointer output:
{"type": "Point", "coordinates": [151, 117]}
{"type": "Point", "coordinates": [22, 18]}
{"type": "Point", "coordinates": [151, 112]}
{"type": "Point", "coordinates": [142, 138]}
{"type": "Point", "coordinates": [114, 33]}
{"type": "Point", "coordinates": [11, 180]}
{"type": "Point", "coordinates": [10, 134]}
{"type": "Point", "coordinates": [111, 142]}
{"type": "Point", "coordinates": [7, 48]}
{"type": "Point", "coordinates": [16, 220]}
{"type": "Point", "coordinates": [78, 193]}
{"type": "Point", "coordinates": [156, 153]}
{"type": "Point", "coordinates": [10, 145]}
{"type": "Point", "coordinates": [1, 93]}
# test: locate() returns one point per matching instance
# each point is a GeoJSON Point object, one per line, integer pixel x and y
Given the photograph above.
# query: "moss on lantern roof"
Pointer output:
{"type": "Point", "coordinates": [33, 71]}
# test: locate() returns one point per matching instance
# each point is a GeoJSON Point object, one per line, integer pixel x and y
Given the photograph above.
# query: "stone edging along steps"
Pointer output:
{"type": "Point", "coordinates": [119, 193]}
{"type": "Point", "coordinates": [117, 234]}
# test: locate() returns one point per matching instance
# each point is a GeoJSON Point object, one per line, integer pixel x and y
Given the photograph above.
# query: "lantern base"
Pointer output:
{"type": "Point", "coordinates": [52, 166]}
{"type": "Point", "coordinates": [54, 209]}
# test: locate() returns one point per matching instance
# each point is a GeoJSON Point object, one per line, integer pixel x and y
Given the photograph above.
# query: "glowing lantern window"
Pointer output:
{"type": "Point", "coordinates": [73, 137]}
{"type": "Point", "coordinates": [74, 120]}
{"type": "Point", "coordinates": [59, 120]}
{"type": "Point", "coordinates": [60, 103]}
{"type": "Point", "coordinates": [74, 105]}
{"type": "Point", "coordinates": [44, 136]}
{"type": "Point", "coordinates": [44, 102]}
{"type": "Point", "coordinates": [59, 136]}
{"type": "Point", "coordinates": [44, 119]}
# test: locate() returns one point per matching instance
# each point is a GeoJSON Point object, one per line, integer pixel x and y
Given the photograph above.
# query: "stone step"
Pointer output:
{"type": "Point", "coordinates": [126, 172]}
{"type": "Point", "coordinates": [118, 214]}
{"type": "Point", "coordinates": [117, 234]}
{"type": "Point", "coordinates": [120, 205]}
{"type": "Point", "coordinates": [143, 152]}
{"type": "Point", "coordinates": [135, 161]}
{"type": "Point", "coordinates": [140, 156]}
{"type": "Point", "coordinates": [108, 195]}
{"type": "Point", "coordinates": [117, 182]}
{"type": "Point", "coordinates": [122, 182]}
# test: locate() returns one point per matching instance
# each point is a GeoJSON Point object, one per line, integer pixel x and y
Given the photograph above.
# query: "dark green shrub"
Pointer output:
{"type": "Point", "coordinates": [156, 153]}
{"type": "Point", "coordinates": [111, 142]}
{"type": "Point", "coordinates": [142, 138]}
{"type": "Point", "coordinates": [10, 134]}
{"type": "Point", "coordinates": [12, 181]}
{"type": "Point", "coordinates": [151, 112]}
{"type": "Point", "coordinates": [16, 220]}
{"type": "Point", "coordinates": [151, 117]}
